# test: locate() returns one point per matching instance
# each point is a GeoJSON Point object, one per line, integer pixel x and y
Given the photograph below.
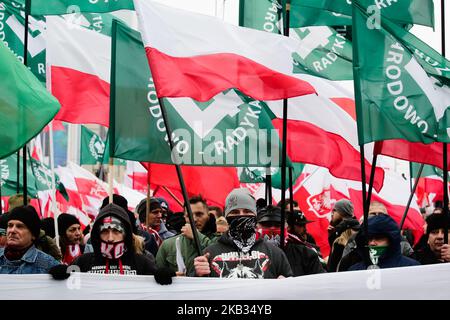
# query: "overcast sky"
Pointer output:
{"type": "Point", "coordinates": [230, 11]}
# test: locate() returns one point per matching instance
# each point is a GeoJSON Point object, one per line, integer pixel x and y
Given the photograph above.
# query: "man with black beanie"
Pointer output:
{"type": "Point", "coordinates": [20, 256]}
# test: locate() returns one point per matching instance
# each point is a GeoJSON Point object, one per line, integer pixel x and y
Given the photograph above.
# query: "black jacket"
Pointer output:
{"type": "Point", "coordinates": [426, 256]}
{"type": "Point", "coordinates": [303, 261]}
{"type": "Point", "coordinates": [263, 261]}
{"type": "Point", "coordinates": [131, 262]}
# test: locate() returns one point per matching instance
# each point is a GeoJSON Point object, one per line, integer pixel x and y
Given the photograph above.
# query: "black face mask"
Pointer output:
{"type": "Point", "coordinates": [242, 230]}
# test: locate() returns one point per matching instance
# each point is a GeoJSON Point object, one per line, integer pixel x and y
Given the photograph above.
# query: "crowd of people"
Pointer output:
{"type": "Point", "coordinates": [242, 240]}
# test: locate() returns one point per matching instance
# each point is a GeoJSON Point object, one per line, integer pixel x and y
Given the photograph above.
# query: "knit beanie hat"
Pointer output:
{"type": "Point", "coordinates": [344, 207]}
{"type": "Point", "coordinates": [65, 220]}
{"type": "Point", "coordinates": [240, 198]}
{"type": "Point", "coordinates": [142, 206]}
{"type": "Point", "coordinates": [29, 217]}
{"type": "Point", "coordinates": [436, 221]}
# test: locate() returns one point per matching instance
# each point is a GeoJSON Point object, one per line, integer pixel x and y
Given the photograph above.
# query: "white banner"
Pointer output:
{"type": "Point", "coordinates": [419, 282]}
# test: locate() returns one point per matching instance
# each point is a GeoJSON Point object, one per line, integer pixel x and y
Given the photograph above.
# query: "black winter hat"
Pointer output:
{"type": "Point", "coordinates": [437, 221]}
{"type": "Point", "coordinates": [48, 225]}
{"type": "Point", "coordinates": [142, 206]}
{"type": "Point", "coordinates": [117, 199]}
{"type": "Point", "coordinates": [297, 218]}
{"type": "Point", "coordinates": [65, 220]}
{"type": "Point", "coordinates": [29, 216]}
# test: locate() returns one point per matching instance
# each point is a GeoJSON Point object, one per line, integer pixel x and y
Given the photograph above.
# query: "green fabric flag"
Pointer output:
{"type": "Point", "coordinates": [395, 97]}
{"type": "Point", "coordinates": [427, 170]}
{"type": "Point", "coordinates": [12, 21]}
{"type": "Point", "coordinates": [38, 177]}
{"type": "Point", "coordinates": [25, 105]}
{"type": "Point", "coordinates": [57, 7]}
{"type": "Point", "coordinates": [267, 15]}
{"type": "Point", "coordinates": [92, 148]}
{"type": "Point", "coordinates": [324, 52]}
{"type": "Point", "coordinates": [12, 33]}
{"type": "Point", "coordinates": [229, 130]}
{"type": "Point", "coordinates": [105, 158]}
{"type": "Point", "coordinates": [258, 174]}
{"type": "Point", "coordinates": [261, 15]}
{"type": "Point", "coordinates": [399, 11]}
{"type": "Point", "coordinates": [306, 13]}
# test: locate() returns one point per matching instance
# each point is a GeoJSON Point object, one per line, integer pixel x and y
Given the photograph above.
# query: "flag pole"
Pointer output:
{"type": "Point", "coordinates": [52, 167]}
{"type": "Point", "coordinates": [284, 147]}
{"type": "Point", "coordinates": [25, 62]}
{"type": "Point", "coordinates": [269, 189]}
{"type": "Point", "coordinates": [18, 172]}
{"type": "Point", "coordinates": [410, 177]}
{"type": "Point", "coordinates": [291, 190]}
{"type": "Point", "coordinates": [147, 201]}
{"type": "Point", "coordinates": [111, 179]}
{"type": "Point", "coordinates": [180, 178]}
{"type": "Point", "coordinates": [172, 195]}
{"type": "Point", "coordinates": [359, 116]}
{"type": "Point", "coordinates": [445, 165]}
{"type": "Point", "coordinates": [402, 222]}
{"type": "Point", "coordinates": [372, 177]}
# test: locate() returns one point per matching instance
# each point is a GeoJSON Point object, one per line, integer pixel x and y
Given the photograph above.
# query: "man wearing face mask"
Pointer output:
{"type": "Point", "coordinates": [112, 242]}
{"type": "Point", "coordinates": [384, 245]}
{"type": "Point", "coordinates": [238, 253]}
{"type": "Point", "coordinates": [303, 260]}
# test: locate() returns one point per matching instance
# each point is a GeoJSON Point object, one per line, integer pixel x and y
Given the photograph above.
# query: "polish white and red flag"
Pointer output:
{"type": "Point", "coordinates": [198, 56]}
{"type": "Point", "coordinates": [322, 131]}
{"type": "Point", "coordinates": [78, 70]}
{"type": "Point", "coordinates": [317, 191]}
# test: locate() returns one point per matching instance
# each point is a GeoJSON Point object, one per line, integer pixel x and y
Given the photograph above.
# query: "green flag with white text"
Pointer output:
{"type": "Point", "coordinates": [399, 11]}
{"type": "Point", "coordinates": [229, 130]}
{"type": "Point", "coordinates": [58, 7]}
{"type": "Point", "coordinates": [395, 97]}
{"type": "Point", "coordinates": [38, 177]}
{"type": "Point", "coordinates": [12, 30]}
{"type": "Point", "coordinates": [323, 52]}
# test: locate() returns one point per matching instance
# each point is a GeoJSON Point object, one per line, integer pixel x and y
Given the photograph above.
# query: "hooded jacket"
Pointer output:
{"type": "Point", "coordinates": [392, 258]}
{"type": "Point", "coordinates": [129, 263]}
{"type": "Point", "coordinates": [263, 261]}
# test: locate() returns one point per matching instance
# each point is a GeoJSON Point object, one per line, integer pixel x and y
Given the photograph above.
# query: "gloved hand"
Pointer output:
{"type": "Point", "coordinates": [347, 224]}
{"type": "Point", "coordinates": [59, 272]}
{"type": "Point", "coordinates": [164, 276]}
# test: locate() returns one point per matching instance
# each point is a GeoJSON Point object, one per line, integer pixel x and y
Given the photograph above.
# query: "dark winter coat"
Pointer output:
{"type": "Point", "coordinates": [426, 256]}
{"type": "Point", "coordinates": [383, 225]}
{"type": "Point", "coordinates": [303, 260]}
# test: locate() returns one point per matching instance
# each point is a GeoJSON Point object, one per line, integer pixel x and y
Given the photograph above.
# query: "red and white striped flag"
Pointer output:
{"type": "Point", "coordinates": [206, 56]}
